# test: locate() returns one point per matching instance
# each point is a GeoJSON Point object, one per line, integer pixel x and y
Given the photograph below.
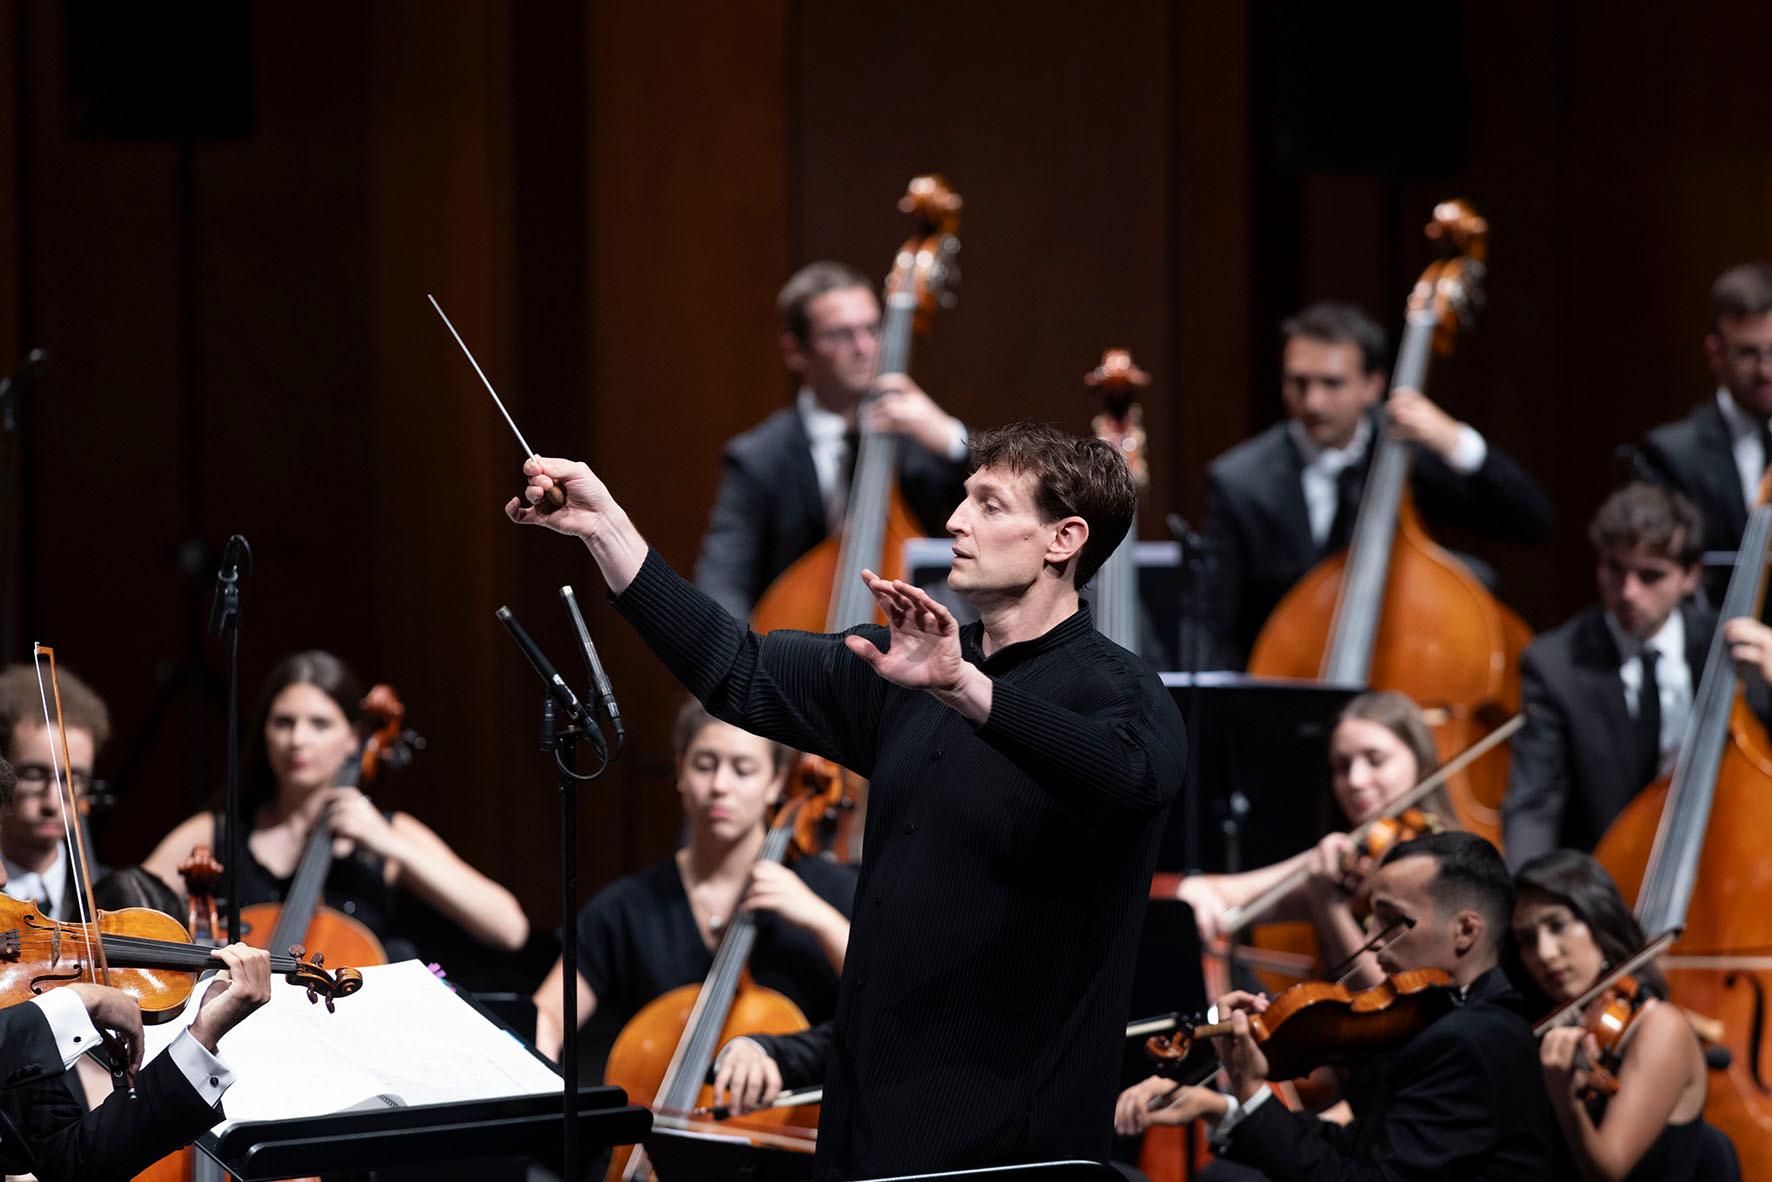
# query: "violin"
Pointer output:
{"type": "Point", "coordinates": [1321, 1023]}
{"type": "Point", "coordinates": [301, 919]}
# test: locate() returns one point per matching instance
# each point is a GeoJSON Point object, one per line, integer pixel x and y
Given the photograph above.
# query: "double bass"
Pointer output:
{"type": "Point", "coordinates": [823, 590]}
{"type": "Point", "coordinates": [1691, 851]}
{"type": "Point", "coordinates": [1395, 611]}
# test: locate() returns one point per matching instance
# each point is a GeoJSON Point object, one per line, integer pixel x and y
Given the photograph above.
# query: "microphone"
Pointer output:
{"type": "Point", "coordinates": [599, 679]}
{"type": "Point", "coordinates": [557, 687]}
{"type": "Point", "coordinates": [227, 578]}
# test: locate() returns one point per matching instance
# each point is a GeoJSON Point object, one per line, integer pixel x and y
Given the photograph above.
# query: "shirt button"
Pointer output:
{"type": "Point", "coordinates": [215, 1081]}
{"type": "Point", "coordinates": [935, 755]}
{"type": "Point", "coordinates": [878, 900]}
{"type": "Point", "coordinates": [861, 982]}
{"type": "Point", "coordinates": [910, 826]}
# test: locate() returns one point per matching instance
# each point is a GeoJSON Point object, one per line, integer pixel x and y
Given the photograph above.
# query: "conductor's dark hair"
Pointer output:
{"type": "Point", "coordinates": [1074, 477]}
{"type": "Point", "coordinates": [1743, 290]}
{"type": "Point", "coordinates": [1580, 883]}
{"type": "Point", "coordinates": [1468, 873]}
{"type": "Point", "coordinates": [1644, 514]}
{"type": "Point", "coordinates": [806, 285]}
{"type": "Point", "coordinates": [1340, 324]}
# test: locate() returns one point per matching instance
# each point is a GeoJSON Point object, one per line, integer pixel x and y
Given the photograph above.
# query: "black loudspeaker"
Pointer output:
{"type": "Point", "coordinates": [159, 69]}
{"type": "Point", "coordinates": [1376, 87]}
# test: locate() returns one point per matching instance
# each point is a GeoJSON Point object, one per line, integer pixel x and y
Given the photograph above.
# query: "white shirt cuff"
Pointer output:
{"type": "Point", "coordinates": [206, 1073]}
{"type": "Point", "coordinates": [958, 448]}
{"type": "Point", "coordinates": [1469, 452]}
{"type": "Point", "coordinates": [1237, 1113]}
{"type": "Point", "coordinates": [69, 1024]}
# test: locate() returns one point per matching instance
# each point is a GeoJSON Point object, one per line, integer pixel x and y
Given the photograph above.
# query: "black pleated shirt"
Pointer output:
{"type": "Point", "coordinates": [980, 1016]}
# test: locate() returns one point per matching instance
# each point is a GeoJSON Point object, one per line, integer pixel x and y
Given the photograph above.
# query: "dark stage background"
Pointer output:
{"type": "Point", "coordinates": [606, 197]}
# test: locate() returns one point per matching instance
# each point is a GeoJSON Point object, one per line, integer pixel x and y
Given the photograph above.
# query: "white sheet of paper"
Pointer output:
{"type": "Point", "coordinates": [403, 1034]}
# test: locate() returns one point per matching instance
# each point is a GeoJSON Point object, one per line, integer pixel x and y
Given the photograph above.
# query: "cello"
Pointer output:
{"type": "Point", "coordinates": [301, 918]}
{"type": "Point", "coordinates": [823, 590]}
{"type": "Point", "coordinates": [1395, 611]}
{"type": "Point", "coordinates": [1690, 850]}
{"type": "Point", "coordinates": [662, 1056]}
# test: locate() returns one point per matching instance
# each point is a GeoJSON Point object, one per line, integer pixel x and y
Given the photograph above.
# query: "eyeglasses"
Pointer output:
{"type": "Point", "coordinates": [1749, 354]}
{"type": "Point", "coordinates": [36, 781]}
{"type": "Point", "coordinates": [848, 334]}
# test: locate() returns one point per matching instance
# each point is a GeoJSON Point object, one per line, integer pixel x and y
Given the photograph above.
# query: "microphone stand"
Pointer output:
{"type": "Point", "coordinates": [564, 721]}
{"type": "Point", "coordinates": [225, 622]}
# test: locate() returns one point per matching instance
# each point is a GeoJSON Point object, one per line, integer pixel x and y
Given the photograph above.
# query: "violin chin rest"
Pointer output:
{"type": "Point", "coordinates": [1718, 1058]}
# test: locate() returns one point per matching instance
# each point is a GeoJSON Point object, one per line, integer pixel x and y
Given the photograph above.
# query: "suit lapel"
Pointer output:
{"type": "Point", "coordinates": [1288, 492]}
{"type": "Point", "coordinates": [1597, 660]}
{"type": "Point", "coordinates": [802, 480]}
{"type": "Point", "coordinates": [1725, 479]}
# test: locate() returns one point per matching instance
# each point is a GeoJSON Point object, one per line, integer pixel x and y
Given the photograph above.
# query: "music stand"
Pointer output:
{"type": "Point", "coordinates": [1255, 745]}
{"type": "Point", "coordinates": [679, 1155]}
{"type": "Point", "coordinates": [1040, 1171]}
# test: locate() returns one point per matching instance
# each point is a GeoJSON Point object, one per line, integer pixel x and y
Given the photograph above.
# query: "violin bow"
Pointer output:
{"type": "Point", "coordinates": [1643, 956]}
{"type": "Point", "coordinates": [80, 865]}
{"type": "Point", "coordinates": [1237, 918]}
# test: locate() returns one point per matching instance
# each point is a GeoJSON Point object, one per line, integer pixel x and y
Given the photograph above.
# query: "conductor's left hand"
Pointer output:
{"type": "Point", "coordinates": [924, 650]}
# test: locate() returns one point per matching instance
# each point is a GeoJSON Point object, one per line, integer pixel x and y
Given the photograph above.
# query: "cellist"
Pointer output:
{"type": "Point", "coordinates": [1280, 502]}
{"type": "Point", "coordinates": [784, 482]}
{"type": "Point", "coordinates": [650, 932]}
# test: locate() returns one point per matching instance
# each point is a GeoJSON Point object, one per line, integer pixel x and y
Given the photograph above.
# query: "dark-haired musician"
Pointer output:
{"type": "Point", "coordinates": [1019, 769]}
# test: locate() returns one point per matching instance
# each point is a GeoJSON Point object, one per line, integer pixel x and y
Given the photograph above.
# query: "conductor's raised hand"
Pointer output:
{"type": "Point", "coordinates": [587, 501]}
{"type": "Point", "coordinates": [924, 650]}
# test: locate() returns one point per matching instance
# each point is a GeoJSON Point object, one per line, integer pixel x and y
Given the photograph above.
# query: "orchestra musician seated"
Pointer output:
{"type": "Point", "coordinates": [1462, 1098]}
{"type": "Point", "coordinates": [1380, 748]}
{"type": "Point", "coordinates": [43, 1130]}
{"type": "Point", "coordinates": [1570, 924]}
{"type": "Point", "coordinates": [33, 840]}
{"type": "Point", "coordinates": [305, 730]}
{"type": "Point", "coordinates": [655, 930]}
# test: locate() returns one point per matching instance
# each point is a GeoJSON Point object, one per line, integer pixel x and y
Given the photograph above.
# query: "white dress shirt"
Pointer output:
{"type": "Point", "coordinates": [1673, 680]}
{"type": "Point", "coordinates": [74, 1035]}
{"type": "Point", "coordinates": [38, 888]}
{"type": "Point", "coordinates": [1744, 444]}
{"type": "Point", "coordinates": [1323, 465]}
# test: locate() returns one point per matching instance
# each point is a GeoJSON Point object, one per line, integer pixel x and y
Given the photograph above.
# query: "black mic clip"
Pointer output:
{"type": "Point", "coordinates": [566, 717]}
{"type": "Point", "coordinates": [599, 680]}
{"type": "Point", "coordinates": [226, 607]}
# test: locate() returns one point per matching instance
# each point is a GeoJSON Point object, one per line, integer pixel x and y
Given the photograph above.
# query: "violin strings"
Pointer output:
{"type": "Point", "coordinates": [64, 796]}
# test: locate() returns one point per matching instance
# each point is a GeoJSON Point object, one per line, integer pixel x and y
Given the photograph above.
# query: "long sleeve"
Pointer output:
{"type": "Point", "coordinates": [1538, 781]}
{"type": "Point", "coordinates": [799, 688]}
{"type": "Point", "coordinates": [1498, 500]}
{"type": "Point", "coordinates": [801, 1057]}
{"type": "Point", "coordinates": [1126, 759]}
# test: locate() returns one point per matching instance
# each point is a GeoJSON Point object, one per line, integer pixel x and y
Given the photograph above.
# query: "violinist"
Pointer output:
{"type": "Point", "coordinates": [305, 729]}
{"type": "Point", "coordinates": [1570, 924]}
{"type": "Point", "coordinates": [177, 1096]}
{"type": "Point", "coordinates": [650, 932]}
{"type": "Point", "coordinates": [1019, 770]}
{"type": "Point", "coordinates": [1279, 503]}
{"type": "Point", "coordinates": [1607, 695]}
{"type": "Point", "coordinates": [33, 841]}
{"type": "Point", "coordinates": [1461, 1098]}
{"type": "Point", "coordinates": [1380, 748]}
{"type": "Point", "coordinates": [784, 483]}
{"type": "Point", "coordinates": [1716, 454]}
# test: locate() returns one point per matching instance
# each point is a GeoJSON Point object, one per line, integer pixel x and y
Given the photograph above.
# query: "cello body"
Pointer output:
{"type": "Point", "coordinates": [346, 940]}
{"type": "Point", "coordinates": [800, 597]}
{"type": "Point", "coordinates": [643, 1051]}
{"type": "Point", "coordinates": [1728, 916]}
{"type": "Point", "coordinates": [1442, 639]}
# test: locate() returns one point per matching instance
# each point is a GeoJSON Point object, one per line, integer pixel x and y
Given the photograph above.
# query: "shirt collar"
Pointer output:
{"type": "Point", "coordinates": [1669, 639]}
{"type": "Point", "coordinates": [1740, 423]}
{"type": "Point", "coordinates": [1078, 623]}
{"type": "Point", "coordinates": [821, 424]}
{"type": "Point", "coordinates": [53, 880]}
{"type": "Point", "coordinates": [1334, 458]}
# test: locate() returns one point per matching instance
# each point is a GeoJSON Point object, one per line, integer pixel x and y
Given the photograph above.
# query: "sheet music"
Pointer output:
{"type": "Point", "coordinates": [404, 1034]}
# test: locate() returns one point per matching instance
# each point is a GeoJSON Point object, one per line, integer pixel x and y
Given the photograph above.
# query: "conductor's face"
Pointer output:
{"type": "Point", "coordinates": [1000, 540]}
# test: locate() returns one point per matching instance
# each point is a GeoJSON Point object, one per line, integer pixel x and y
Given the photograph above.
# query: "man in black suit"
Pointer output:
{"type": "Point", "coordinates": [33, 842]}
{"type": "Point", "coordinates": [1279, 503]}
{"type": "Point", "coordinates": [1462, 1099]}
{"type": "Point", "coordinates": [43, 1129]}
{"type": "Point", "coordinates": [1716, 454]}
{"type": "Point", "coordinates": [785, 482]}
{"type": "Point", "coordinates": [1593, 738]}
